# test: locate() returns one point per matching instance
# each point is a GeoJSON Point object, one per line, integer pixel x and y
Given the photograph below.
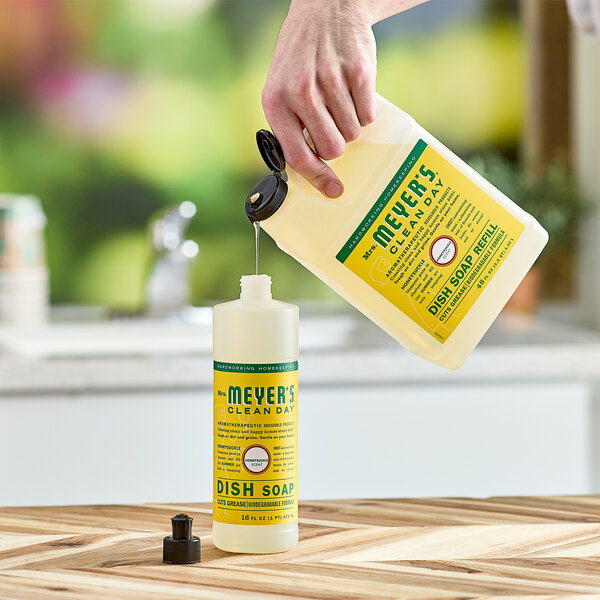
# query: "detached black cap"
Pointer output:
{"type": "Point", "coordinates": [181, 548]}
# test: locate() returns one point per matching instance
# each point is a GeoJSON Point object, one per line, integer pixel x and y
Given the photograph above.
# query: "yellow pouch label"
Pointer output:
{"type": "Point", "coordinates": [432, 242]}
{"type": "Point", "coordinates": [255, 443]}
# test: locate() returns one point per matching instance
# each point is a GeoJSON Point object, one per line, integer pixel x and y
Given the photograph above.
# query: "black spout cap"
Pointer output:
{"type": "Point", "coordinates": [265, 198]}
{"type": "Point", "coordinates": [269, 193]}
{"type": "Point", "coordinates": [270, 150]}
{"type": "Point", "coordinates": [181, 548]}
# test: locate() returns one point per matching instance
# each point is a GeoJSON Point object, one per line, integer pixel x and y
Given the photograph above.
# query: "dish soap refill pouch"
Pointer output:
{"type": "Point", "coordinates": [419, 241]}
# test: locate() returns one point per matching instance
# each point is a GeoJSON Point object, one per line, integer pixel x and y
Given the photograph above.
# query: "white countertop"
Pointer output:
{"type": "Point", "coordinates": [335, 349]}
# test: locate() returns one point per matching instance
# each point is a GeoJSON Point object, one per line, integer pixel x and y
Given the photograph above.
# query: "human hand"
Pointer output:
{"type": "Point", "coordinates": [322, 77]}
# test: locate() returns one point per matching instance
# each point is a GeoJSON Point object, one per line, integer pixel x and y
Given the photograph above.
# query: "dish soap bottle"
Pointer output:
{"type": "Point", "coordinates": [419, 242]}
{"type": "Point", "coordinates": [255, 347]}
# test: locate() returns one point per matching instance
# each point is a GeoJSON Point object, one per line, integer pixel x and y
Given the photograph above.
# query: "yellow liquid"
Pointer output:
{"type": "Point", "coordinates": [313, 228]}
{"type": "Point", "coordinates": [256, 243]}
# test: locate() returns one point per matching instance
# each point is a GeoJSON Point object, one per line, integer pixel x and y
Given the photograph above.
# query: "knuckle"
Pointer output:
{"type": "Point", "coordinates": [332, 148]}
{"type": "Point", "coordinates": [271, 97]}
{"type": "Point", "coordinates": [359, 73]}
{"type": "Point", "coordinates": [298, 159]}
{"type": "Point", "coordinates": [351, 132]}
{"type": "Point", "coordinates": [330, 76]}
{"type": "Point", "coordinates": [370, 113]}
{"type": "Point", "coordinates": [303, 88]}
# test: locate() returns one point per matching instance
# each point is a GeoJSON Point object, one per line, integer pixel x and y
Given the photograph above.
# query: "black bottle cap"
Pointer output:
{"type": "Point", "coordinates": [265, 197]}
{"type": "Point", "coordinates": [270, 192]}
{"type": "Point", "coordinates": [181, 548]}
{"type": "Point", "coordinates": [270, 150]}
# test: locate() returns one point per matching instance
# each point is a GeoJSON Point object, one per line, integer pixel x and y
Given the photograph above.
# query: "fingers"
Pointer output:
{"type": "Point", "coordinates": [361, 81]}
{"type": "Point", "coordinates": [298, 154]}
{"type": "Point", "coordinates": [323, 76]}
{"type": "Point", "coordinates": [333, 101]}
{"type": "Point", "coordinates": [341, 107]}
{"type": "Point", "coordinates": [366, 105]}
{"type": "Point", "coordinates": [329, 142]}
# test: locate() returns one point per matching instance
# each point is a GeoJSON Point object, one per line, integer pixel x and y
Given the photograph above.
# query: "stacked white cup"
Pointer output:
{"type": "Point", "coordinates": [24, 286]}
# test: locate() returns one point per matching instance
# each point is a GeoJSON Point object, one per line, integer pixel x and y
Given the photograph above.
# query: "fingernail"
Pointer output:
{"type": "Point", "coordinates": [333, 190]}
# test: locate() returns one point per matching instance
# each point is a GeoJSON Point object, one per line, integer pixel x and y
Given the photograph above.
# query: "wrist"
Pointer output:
{"type": "Point", "coordinates": [355, 11]}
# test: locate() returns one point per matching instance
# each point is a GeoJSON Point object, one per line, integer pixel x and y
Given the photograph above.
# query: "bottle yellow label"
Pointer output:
{"type": "Point", "coordinates": [432, 242]}
{"type": "Point", "coordinates": [255, 443]}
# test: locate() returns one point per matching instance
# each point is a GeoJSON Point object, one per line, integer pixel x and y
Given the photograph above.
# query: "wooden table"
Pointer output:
{"type": "Point", "coordinates": [434, 548]}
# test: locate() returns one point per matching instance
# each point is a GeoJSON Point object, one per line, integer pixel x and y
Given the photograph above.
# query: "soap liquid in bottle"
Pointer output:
{"type": "Point", "coordinates": [255, 347]}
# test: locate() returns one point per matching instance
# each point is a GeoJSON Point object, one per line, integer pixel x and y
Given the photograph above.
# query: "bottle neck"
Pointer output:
{"type": "Point", "coordinates": [256, 287]}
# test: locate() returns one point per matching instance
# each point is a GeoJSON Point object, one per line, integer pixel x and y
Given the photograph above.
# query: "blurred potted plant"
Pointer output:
{"type": "Point", "coordinates": [554, 200]}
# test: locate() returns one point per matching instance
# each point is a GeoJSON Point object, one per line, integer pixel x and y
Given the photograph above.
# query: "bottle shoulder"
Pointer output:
{"type": "Point", "coordinates": [255, 305]}
{"type": "Point", "coordinates": [264, 331]}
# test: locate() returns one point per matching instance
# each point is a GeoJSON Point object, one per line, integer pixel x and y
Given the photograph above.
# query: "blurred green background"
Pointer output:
{"type": "Point", "coordinates": [111, 110]}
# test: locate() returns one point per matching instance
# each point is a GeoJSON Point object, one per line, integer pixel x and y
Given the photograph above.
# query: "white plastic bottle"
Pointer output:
{"type": "Point", "coordinates": [255, 349]}
{"type": "Point", "coordinates": [419, 241]}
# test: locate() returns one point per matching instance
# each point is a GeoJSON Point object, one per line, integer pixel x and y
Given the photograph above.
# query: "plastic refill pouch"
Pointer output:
{"type": "Point", "coordinates": [419, 242]}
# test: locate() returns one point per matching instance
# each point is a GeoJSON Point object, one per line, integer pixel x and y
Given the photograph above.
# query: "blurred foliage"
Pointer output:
{"type": "Point", "coordinates": [114, 108]}
{"type": "Point", "coordinates": [550, 196]}
{"type": "Point", "coordinates": [113, 272]}
{"type": "Point", "coordinates": [466, 85]}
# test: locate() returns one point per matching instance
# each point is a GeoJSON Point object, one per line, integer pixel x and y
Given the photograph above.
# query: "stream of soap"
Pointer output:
{"type": "Point", "coordinates": [256, 241]}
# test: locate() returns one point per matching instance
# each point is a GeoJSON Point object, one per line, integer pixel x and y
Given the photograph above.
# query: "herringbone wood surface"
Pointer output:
{"type": "Point", "coordinates": [369, 549]}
